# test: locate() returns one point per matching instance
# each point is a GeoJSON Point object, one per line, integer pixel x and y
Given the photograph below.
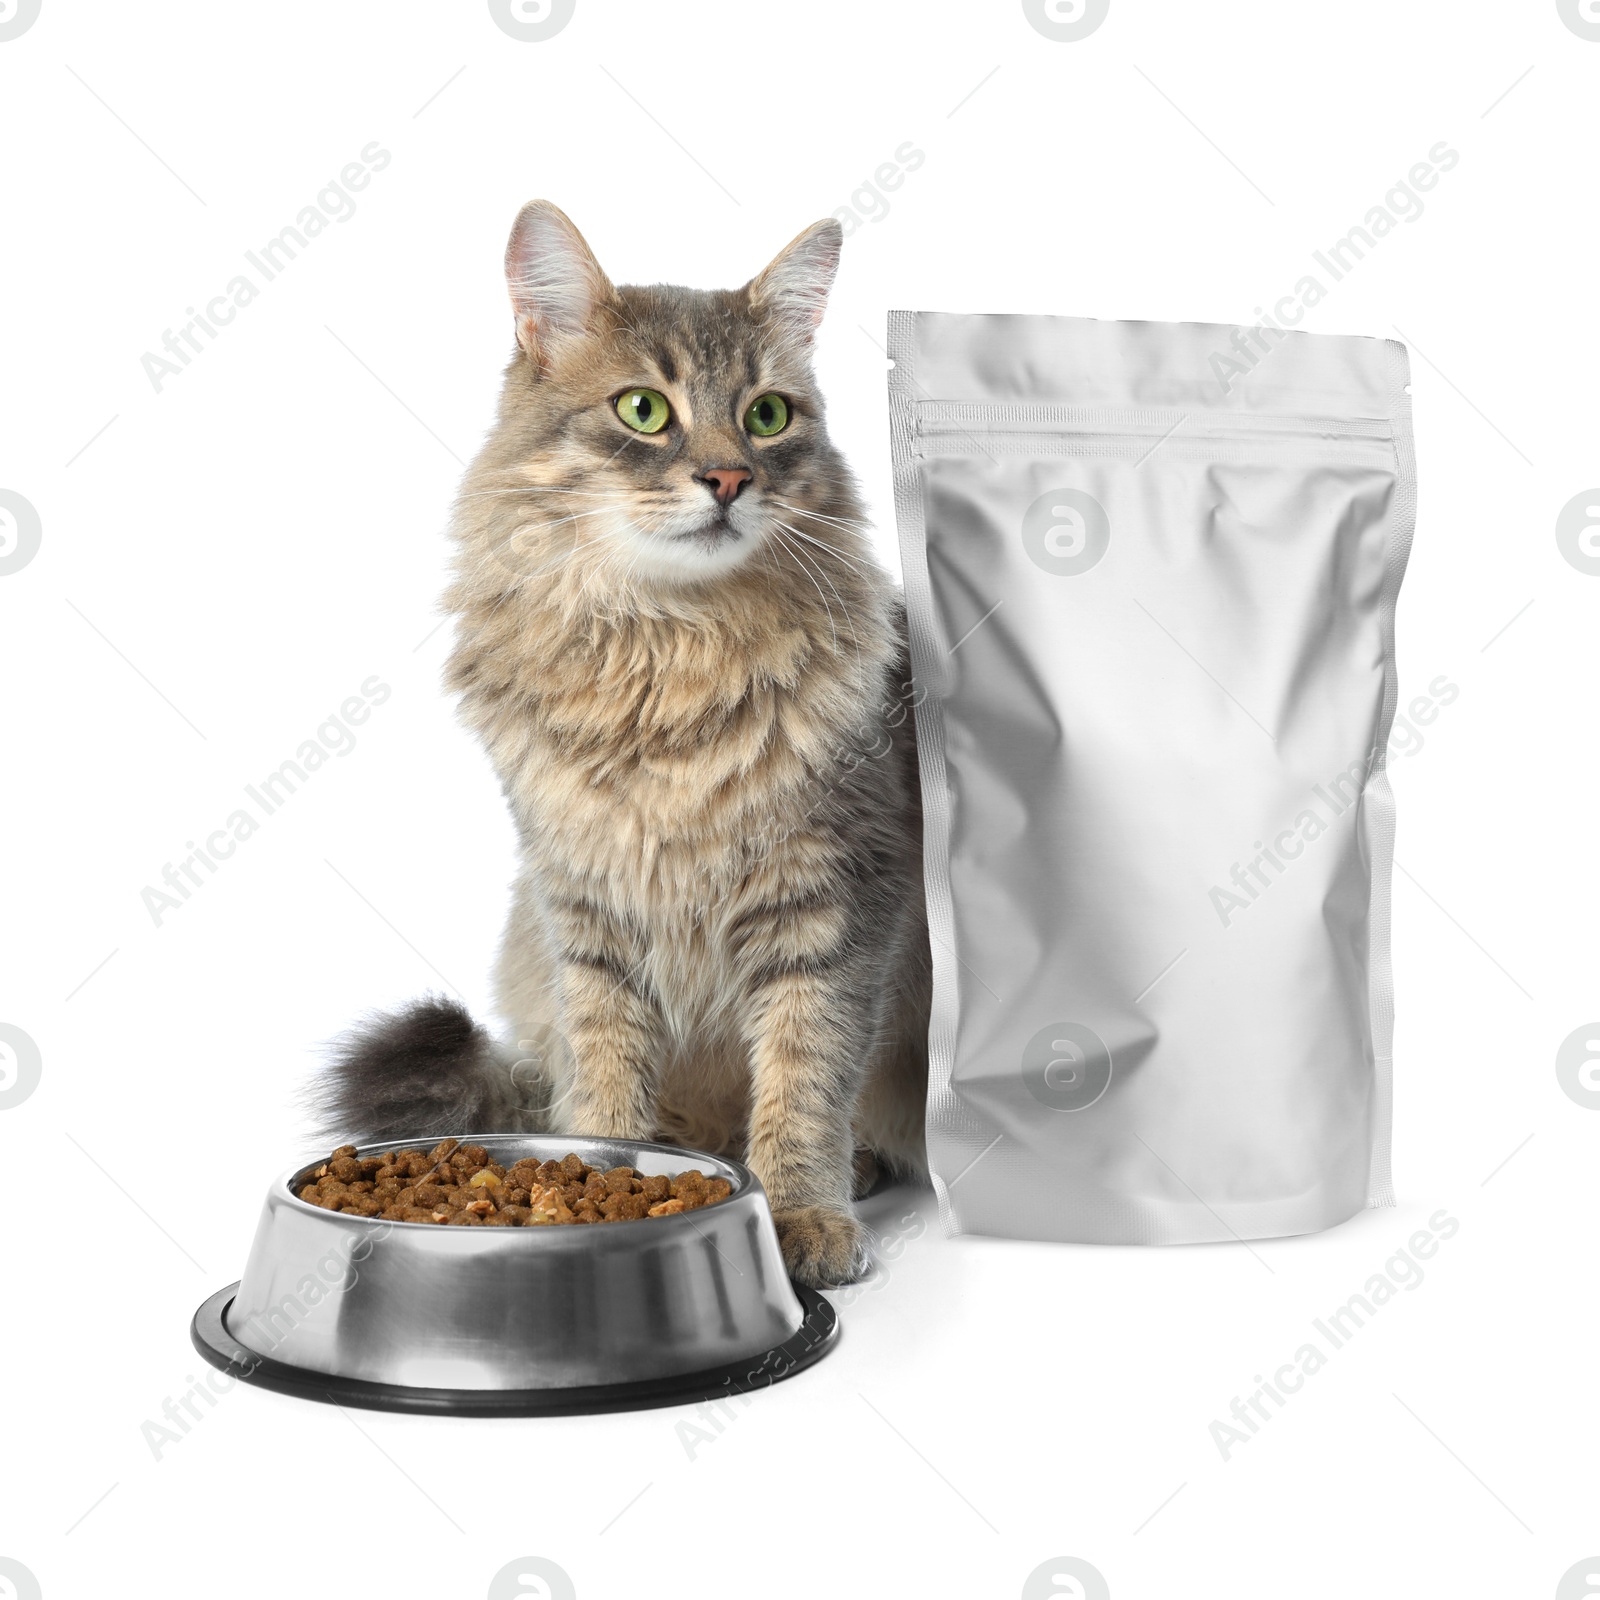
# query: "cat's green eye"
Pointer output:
{"type": "Point", "coordinates": [644, 409]}
{"type": "Point", "coordinates": [769, 414]}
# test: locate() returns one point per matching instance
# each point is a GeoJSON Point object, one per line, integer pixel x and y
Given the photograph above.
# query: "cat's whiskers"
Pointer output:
{"type": "Point", "coordinates": [784, 543]}
{"type": "Point", "coordinates": [523, 579]}
{"type": "Point", "coordinates": [521, 528]}
{"type": "Point", "coordinates": [844, 524]}
{"type": "Point", "coordinates": [560, 560]}
{"type": "Point", "coordinates": [536, 488]}
{"type": "Point", "coordinates": [855, 638]}
{"type": "Point", "coordinates": [822, 544]}
{"type": "Point", "coordinates": [858, 522]}
{"type": "Point", "coordinates": [593, 511]}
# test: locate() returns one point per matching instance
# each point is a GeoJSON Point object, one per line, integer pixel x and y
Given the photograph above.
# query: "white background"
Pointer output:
{"type": "Point", "coordinates": [224, 562]}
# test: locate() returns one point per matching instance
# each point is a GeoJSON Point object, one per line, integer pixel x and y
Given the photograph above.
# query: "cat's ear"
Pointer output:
{"type": "Point", "coordinates": [794, 286]}
{"type": "Point", "coordinates": [555, 281]}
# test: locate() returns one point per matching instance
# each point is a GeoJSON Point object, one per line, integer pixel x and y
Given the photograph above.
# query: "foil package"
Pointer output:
{"type": "Point", "coordinates": [1151, 572]}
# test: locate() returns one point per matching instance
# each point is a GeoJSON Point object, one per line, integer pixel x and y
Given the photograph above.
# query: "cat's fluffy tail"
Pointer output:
{"type": "Point", "coordinates": [427, 1070]}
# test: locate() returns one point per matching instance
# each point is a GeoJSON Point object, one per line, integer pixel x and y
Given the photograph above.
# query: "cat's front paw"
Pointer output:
{"type": "Point", "coordinates": [822, 1248]}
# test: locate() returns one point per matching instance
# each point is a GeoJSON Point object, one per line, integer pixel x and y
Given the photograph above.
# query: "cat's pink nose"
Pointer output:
{"type": "Point", "coordinates": [725, 482]}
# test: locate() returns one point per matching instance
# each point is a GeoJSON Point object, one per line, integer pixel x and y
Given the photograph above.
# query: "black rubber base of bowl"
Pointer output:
{"type": "Point", "coordinates": [816, 1336]}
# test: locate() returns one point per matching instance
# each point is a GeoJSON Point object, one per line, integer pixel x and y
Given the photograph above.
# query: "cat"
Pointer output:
{"type": "Point", "coordinates": [691, 676]}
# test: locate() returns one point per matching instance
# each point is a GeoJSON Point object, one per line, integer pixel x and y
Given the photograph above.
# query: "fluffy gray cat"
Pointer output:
{"type": "Point", "coordinates": [690, 673]}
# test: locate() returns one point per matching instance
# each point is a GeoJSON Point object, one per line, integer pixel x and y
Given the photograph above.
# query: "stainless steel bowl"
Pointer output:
{"type": "Point", "coordinates": [484, 1311]}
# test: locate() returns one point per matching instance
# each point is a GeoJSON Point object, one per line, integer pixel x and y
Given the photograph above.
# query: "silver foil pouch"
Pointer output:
{"type": "Point", "coordinates": [1151, 572]}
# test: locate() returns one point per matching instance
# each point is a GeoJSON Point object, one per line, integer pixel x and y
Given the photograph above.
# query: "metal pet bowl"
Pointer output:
{"type": "Point", "coordinates": [518, 1321]}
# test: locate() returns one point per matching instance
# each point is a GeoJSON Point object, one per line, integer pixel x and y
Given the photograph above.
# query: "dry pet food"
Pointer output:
{"type": "Point", "coordinates": [457, 1184]}
{"type": "Point", "coordinates": [1151, 572]}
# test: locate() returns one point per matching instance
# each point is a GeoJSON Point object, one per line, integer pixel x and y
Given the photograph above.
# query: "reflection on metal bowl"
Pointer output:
{"type": "Point", "coordinates": [470, 1319]}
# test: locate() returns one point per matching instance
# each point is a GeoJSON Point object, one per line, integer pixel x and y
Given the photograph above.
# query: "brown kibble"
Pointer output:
{"type": "Point", "coordinates": [456, 1185]}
